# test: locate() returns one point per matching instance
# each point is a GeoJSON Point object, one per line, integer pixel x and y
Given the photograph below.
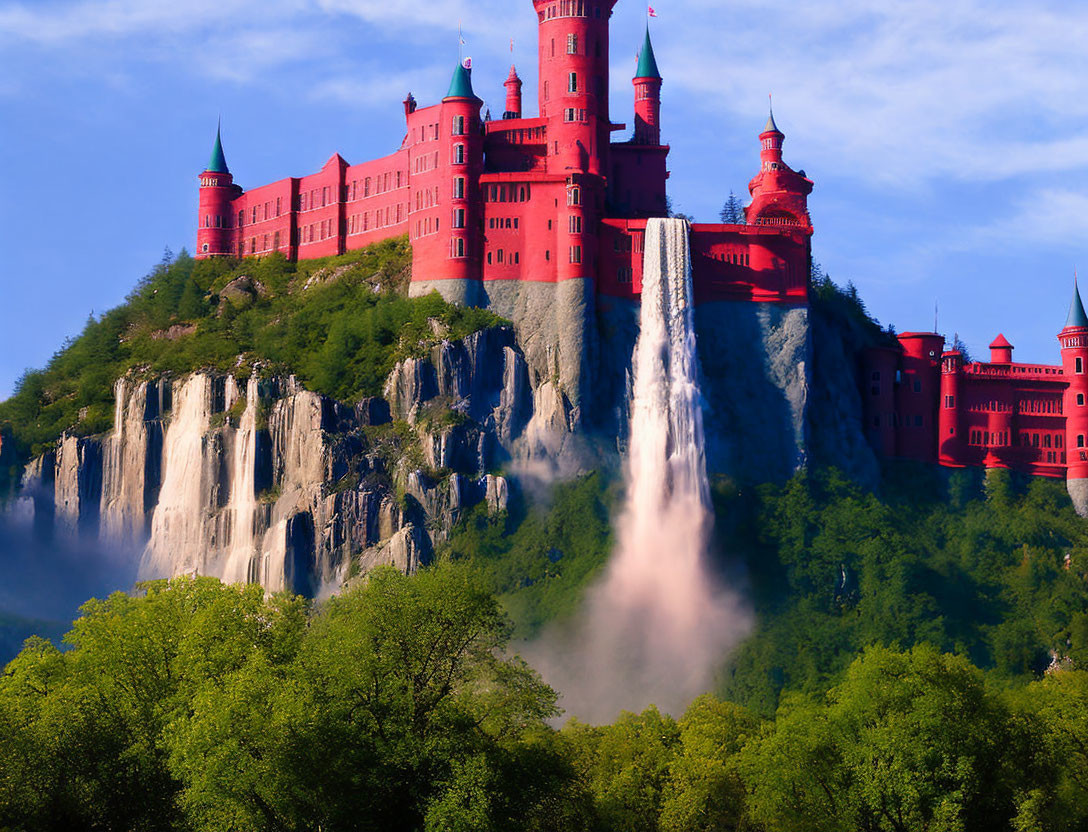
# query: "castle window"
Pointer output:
{"type": "Point", "coordinates": [547, 91]}
{"type": "Point", "coordinates": [366, 187]}
{"type": "Point", "coordinates": [459, 218]}
{"type": "Point", "coordinates": [204, 247]}
{"type": "Point", "coordinates": [459, 154]}
{"type": "Point", "coordinates": [458, 247]}
{"type": "Point", "coordinates": [500, 257]}
{"type": "Point", "coordinates": [1046, 441]}
{"type": "Point", "coordinates": [576, 254]}
{"type": "Point", "coordinates": [624, 274]}
{"type": "Point", "coordinates": [547, 255]}
{"type": "Point", "coordinates": [517, 258]}
{"type": "Point", "coordinates": [575, 224]}
{"type": "Point", "coordinates": [553, 39]}
{"type": "Point", "coordinates": [241, 218]}
{"type": "Point", "coordinates": [515, 223]}
{"type": "Point", "coordinates": [574, 196]}
{"type": "Point", "coordinates": [572, 82]}
{"type": "Point", "coordinates": [459, 188]}
{"type": "Point", "coordinates": [1080, 440]}
{"type": "Point", "coordinates": [572, 44]}
{"type": "Point", "coordinates": [1080, 364]}
{"type": "Point", "coordinates": [549, 225]}
{"type": "Point", "coordinates": [254, 219]}
{"type": "Point", "coordinates": [458, 126]}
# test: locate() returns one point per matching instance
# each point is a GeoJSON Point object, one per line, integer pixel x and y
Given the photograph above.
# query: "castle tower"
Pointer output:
{"type": "Point", "coordinates": [647, 83]}
{"type": "Point", "coordinates": [779, 194]}
{"type": "Point", "coordinates": [1074, 342]}
{"type": "Point", "coordinates": [465, 158]}
{"type": "Point", "coordinates": [513, 94]}
{"type": "Point", "coordinates": [217, 190]}
{"type": "Point", "coordinates": [917, 395]}
{"type": "Point", "coordinates": [573, 95]}
{"type": "Point", "coordinates": [950, 442]}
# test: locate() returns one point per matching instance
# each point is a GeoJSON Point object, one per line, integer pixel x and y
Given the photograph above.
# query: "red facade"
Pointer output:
{"type": "Point", "coordinates": [929, 404]}
{"type": "Point", "coordinates": [546, 198]}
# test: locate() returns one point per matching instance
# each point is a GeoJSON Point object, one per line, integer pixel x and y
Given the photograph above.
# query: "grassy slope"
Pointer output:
{"type": "Point", "coordinates": [341, 336]}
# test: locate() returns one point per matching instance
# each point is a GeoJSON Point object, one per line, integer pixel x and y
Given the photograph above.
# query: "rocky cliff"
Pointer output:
{"type": "Point", "coordinates": [258, 479]}
{"type": "Point", "coordinates": [251, 477]}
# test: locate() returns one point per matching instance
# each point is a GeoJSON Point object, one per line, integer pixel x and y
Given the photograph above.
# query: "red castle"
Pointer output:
{"type": "Point", "coordinates": [552, 199]}
{"type": "Point", "coordinates": [544, 199]}
{"type": "Point", "coordinates": [926, 403]}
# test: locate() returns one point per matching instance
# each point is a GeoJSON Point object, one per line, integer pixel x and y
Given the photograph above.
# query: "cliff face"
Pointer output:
{"type": "Point", "coordinates": [259, 479]}
{"type": "Point", "coordinates": [262, 480]}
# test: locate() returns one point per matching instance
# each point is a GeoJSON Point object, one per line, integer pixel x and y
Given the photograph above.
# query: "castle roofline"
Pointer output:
{"type": "Point", "coordinates": [218, 161]}
{"type": "Point", "coordinates": [1001, 342]}
{"type": "Point", "coordinates": [1076, 316]}
{"type": "Point", "coordinates": [647, 61]}
{"type": "Point", "coordinates": [461, 84]}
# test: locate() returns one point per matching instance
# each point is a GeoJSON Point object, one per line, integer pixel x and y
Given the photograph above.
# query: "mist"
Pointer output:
{"type": "Point", "coordinates": [47, 577]}
{"type": "Point", "coordinates": [660, 623]}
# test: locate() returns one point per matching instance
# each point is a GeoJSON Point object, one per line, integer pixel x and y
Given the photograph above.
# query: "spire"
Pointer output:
{"type": "Point", "coordinates": [513, 76]}
{"type": "Point", "coordinates": [218, 162]}
{"type": "Point", "coordinates": [1076, 317]}
{"type": "Point", "coordinates": [461, 83]}
{"type": "Point", "coordinates": [647, 63]}
{"type": "Point", "coordinates": [771, 126]}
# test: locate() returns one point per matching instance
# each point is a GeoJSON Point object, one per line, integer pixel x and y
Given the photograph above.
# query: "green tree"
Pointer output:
{"type": "Point", "coordinates": [705, 791]}
{"type": "Point", "coordinates": [733, 211]}
{"type": "Point", "coordinates": [909, 741]}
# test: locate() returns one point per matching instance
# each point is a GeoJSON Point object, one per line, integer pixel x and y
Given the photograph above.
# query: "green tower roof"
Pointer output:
{"type": "Point", "coordinates": [461, 84]}
{"type": "Point", "coordinates": [647, 63]}
{"type": "Point", "coordinates": [218, 162]}
{"type": "Point", "coordinates": [1076, 309]}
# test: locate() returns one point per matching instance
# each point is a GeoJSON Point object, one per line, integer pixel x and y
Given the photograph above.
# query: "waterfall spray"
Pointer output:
{"type": "Point", "coordinates": [658, 624]}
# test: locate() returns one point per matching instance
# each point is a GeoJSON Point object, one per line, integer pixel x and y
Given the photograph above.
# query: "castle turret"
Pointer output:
{"type": "Point", "coordinates": [950, 442]}
{"type": "Point", "coordinates": [779, 194]}
{"type": "Point", "coordinates": [647, 83]}
{"type": "Point", "coordinates": [513, 94]}
{"type": "Point", "coordinates": [917, 395]}
{"type": "Point", "coordinates": [1074, 342]}
{"type": "Point", "coordinates": [1001, 350]}
{"type": "Point", "coordinates": [573, 38]}
{"type": "Point", "coordinates": [465, 155]}
{"type": "Point", "coordinates": [217, 190]}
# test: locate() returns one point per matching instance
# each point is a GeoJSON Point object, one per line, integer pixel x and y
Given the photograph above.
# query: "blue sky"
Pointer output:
{"type": "Point", "coordinates": [948, 139]}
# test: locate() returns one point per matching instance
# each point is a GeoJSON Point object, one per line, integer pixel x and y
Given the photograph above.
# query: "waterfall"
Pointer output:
{"type": "Point", "coordinates": [178, 534]}
{"type": "Point", "coordinates": [242, 510]}
{"type": "Point", "coordinates": [658, 625]}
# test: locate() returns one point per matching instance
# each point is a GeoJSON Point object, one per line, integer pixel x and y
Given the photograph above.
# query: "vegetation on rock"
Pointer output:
{"type": "Point", "coordinates": [339, 324]}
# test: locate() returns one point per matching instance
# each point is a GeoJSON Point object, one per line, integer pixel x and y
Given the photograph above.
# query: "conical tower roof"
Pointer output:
{"type": "Point", "coordinates": [1076, 315]}
{"type": "Point", "coordinates": [218, 162]}
{"type": "Point", "coordinates": [647, 62]}
{"type": "Point", "coordinates": [461, 84]}
{"type": "Point", "coordinates": [771, 126]}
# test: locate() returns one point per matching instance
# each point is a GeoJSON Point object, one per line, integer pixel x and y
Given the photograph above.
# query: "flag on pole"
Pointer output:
{"type": "Point", "coordinates": [652, 12]}
{"type": "Point", "coordinates": [511, 46]}
{"type": "Point", "coordinates": [467, 63]}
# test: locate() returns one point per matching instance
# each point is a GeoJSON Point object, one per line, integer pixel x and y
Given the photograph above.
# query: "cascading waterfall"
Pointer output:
{"type": "Point", "coordinates": [178, 524]}
{"type": "Point", "coordinates": [658, 625]}
{"type": "Point", "coordinates": [243, 493]}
